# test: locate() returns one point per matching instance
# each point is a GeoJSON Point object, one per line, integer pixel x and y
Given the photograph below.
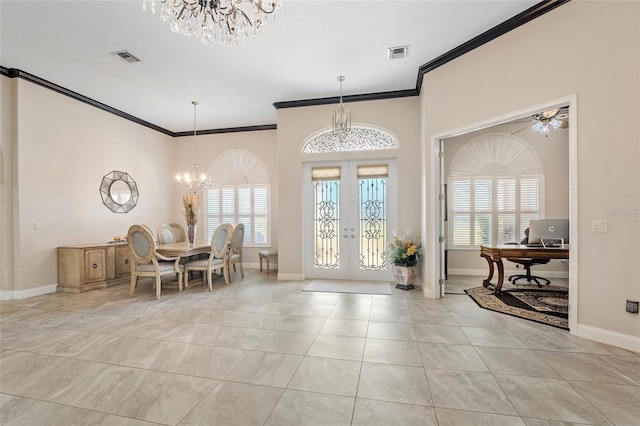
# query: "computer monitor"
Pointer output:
{"type": "Point", "coordinates": [549, 231]}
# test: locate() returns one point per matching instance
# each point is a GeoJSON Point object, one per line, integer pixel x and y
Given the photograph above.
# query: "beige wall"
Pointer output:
{"type": "Point", "coordinates": [592, 50]}
{"type": "Point", "coordinates": [553, 153]}
{"type": "Point", "coordinates": [63, 148]}
{"type": "Point", "coordinates": [6, 183]}
{"type": "Point", "coordinates": [399, 116]}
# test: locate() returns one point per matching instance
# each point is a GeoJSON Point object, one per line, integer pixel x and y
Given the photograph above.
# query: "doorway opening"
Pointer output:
{"type": "Point", "coordinates": [457, 269]}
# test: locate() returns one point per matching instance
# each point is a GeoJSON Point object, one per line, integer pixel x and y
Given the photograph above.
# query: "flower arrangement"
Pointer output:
{"type": "Point", "coordinates": [404, 251]}
{"type": "Point", "coordinates": [190, 212]}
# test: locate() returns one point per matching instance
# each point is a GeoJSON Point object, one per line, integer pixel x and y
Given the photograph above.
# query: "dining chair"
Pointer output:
{"type": "Point", "coordinates": [235, 253]}
{"type": "Point", "coordinates": [165, 234]}
{"type": "Point", "coordinates": [218, 258]}
{"type": "Point", "coordinates": [170, 233]}
{"type": "Point", "coordinates": [178, 232]}
{"type": "Point", "coordinates": [146, 262]}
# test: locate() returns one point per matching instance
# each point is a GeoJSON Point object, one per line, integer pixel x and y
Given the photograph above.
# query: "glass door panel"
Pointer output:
{"type": "Point", "coordinates": [347, 220]}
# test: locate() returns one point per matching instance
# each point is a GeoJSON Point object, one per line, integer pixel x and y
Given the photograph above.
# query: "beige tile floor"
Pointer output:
{"type": "Point", "coordinates": [263, 352]}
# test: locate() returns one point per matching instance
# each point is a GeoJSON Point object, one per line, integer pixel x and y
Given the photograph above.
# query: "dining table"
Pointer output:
{"type": "Point", "coordinates": [184, 248]}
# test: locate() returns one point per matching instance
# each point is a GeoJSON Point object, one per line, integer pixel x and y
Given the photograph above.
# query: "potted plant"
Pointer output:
{"type": "Point", "coordinates": [405, 254]}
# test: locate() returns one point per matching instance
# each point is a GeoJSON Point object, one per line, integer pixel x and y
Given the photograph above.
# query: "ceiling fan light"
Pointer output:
{"type": "Point", "coordinates": [537, 127]}
{"type": "Point", "coordinates": [555, 123]}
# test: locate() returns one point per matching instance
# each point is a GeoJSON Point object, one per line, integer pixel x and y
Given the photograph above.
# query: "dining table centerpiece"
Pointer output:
{"type": "Point", "coordinates": [191, 203]}
{"type": "Point", "coordinates": [405, 254]}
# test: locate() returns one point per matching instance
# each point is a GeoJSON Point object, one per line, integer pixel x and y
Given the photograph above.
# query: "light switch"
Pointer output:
{"type": "Point", "coordinates": [598, 226]}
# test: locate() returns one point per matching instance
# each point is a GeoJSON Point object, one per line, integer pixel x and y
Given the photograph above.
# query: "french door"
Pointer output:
{"type": "Point", "coordinates": [349, 212]}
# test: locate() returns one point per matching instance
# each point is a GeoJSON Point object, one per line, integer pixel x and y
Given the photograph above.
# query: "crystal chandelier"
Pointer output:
{"type": "Point", "coordinates": [222, 21]}
{"type": "Point", "coordinates": [191, 181]}
{"type": "Point", "coordinates": [341, 119]}
{"type": "Point", "coordinates": [546, 119]}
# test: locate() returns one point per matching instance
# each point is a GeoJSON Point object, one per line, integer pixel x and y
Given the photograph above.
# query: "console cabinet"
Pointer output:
{"type": "Point", "coordinates": [86, 267]}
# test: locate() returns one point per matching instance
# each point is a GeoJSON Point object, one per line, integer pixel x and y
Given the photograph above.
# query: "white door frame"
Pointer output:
{"type": "Point", "coordinates": [391, 210]}
{"type": "Point", "coordinates": [434, 219]}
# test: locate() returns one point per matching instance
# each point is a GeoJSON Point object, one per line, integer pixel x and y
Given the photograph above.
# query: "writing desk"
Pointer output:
{"type": "Point", "coordinates": [495, 254]}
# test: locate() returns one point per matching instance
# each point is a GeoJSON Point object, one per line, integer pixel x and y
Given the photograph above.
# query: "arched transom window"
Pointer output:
{"type": "Point", "coordinates": [360, 138]}
{"type": "Point", "coordinates": [495, 187]}
{"type": "Point", "coordinates": [240, 193]}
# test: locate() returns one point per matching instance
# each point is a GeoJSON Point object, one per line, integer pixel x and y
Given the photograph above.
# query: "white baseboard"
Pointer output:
{"type": "Point", "coordinates": [31, 292]}
{"type": "Point", "coordinates": [507, 272]}
{"type": "Point", "coordinates": [613, 338]}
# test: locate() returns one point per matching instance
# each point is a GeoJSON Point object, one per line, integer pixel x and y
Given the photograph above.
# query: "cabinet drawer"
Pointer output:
{"type": "Point", "coordinates": [123, 265]}
{"type": "Point", "coordinates": [95, 265]}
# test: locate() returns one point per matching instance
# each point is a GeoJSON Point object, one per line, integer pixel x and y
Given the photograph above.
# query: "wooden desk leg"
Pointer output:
{"type": "Point", "coordinates": [487, 281]}
{"type": "Point", "coordinates": [500, 276]}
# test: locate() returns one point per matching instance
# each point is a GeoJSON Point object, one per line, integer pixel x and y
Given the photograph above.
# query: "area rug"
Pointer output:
{"type": "Point", "coordinates": [547, 305]}
{"type": "Point", "coordinates": [343, 286]}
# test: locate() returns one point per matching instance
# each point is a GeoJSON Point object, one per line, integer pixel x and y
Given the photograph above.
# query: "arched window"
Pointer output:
{"type": "Point", "coordinates": [240, 193]}
{"type": "Point", "coordinates": [360, 138]}
{"type": "Point", "coordinates": [495, 187]}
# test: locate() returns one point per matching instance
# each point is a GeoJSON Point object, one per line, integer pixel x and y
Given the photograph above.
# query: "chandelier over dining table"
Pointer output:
{"type": "Point", "coordinates": [222, 21]}
{"type": "Point", "coordinates": [194, 182]}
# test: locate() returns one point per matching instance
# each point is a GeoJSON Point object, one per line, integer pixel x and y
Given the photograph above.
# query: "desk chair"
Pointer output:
{"type": "Point", "coordinates": [527, 263]}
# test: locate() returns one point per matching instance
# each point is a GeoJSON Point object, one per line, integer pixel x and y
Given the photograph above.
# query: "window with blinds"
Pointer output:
{"type": "Point", "coordinates": [492, 210]}
{"type": "Point", "coordinates": [246, 204]}
{"type": "Point", "coordinates": [495, 187]}
{"type": "Point", "coordinates": [241, 193]}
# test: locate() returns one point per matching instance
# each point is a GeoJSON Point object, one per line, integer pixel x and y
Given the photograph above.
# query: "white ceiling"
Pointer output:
{"type": "Point", "coordinates": [69, 42]}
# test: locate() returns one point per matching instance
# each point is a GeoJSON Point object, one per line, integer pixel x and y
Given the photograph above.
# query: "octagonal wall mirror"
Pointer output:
{"type": "Point", "coordinates": [119, 192]}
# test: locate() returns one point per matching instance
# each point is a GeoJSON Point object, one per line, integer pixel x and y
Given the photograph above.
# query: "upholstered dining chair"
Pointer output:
{"type": "Point", "coordinates": [165, 234]}
{"type": "Point", "coordinates": [235, 253]}
{"type": "Point", "coordinates": [178, 232]}
{"type": "Point", "coordinates": [170, 233]}
{"type": "Point", "coordinates": [218, 258]}
{"type": "Point", "coordinates": [146, 262]}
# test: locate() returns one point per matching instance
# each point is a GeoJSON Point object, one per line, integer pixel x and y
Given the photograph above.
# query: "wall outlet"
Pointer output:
{"type": "Point", "coordinates": [632, 307]}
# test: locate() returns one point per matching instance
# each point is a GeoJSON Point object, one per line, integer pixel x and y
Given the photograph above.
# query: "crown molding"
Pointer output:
{"type": "Point", "coordinates": [349, 98]}
{"type": "Point", "coordinates": [489, 35]}
{"type": "Point", "coordinates": [17, 73]}
{"type": "Point", "coordinates": [495, 32]}
{"type": "Point", "coordinates": [228, 130]}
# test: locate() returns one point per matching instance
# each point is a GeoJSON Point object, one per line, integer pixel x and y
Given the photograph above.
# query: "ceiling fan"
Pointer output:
{"type": "Point", "coordinates": [550, 118]}
{"type": "Point", "coordinates": [543, 122]}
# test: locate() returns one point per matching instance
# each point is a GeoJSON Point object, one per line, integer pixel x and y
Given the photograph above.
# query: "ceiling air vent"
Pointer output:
{"type": "Point", "coordinates": [398, 52]}
{"type": "Point", "coordinates": [126, 56]}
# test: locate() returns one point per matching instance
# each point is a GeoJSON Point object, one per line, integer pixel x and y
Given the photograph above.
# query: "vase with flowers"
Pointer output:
{"type": "Point", "coordinates": [405, 254]}
{"type": "Point", "coordinates": [190, 212]}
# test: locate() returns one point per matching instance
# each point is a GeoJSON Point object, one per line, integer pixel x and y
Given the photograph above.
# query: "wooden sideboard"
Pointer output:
{"type": "Point", "coordinates": [90, 266]}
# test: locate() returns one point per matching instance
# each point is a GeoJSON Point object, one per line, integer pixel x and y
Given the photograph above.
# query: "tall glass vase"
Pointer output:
{"type": "Point", "coordinates": [191, 232]}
